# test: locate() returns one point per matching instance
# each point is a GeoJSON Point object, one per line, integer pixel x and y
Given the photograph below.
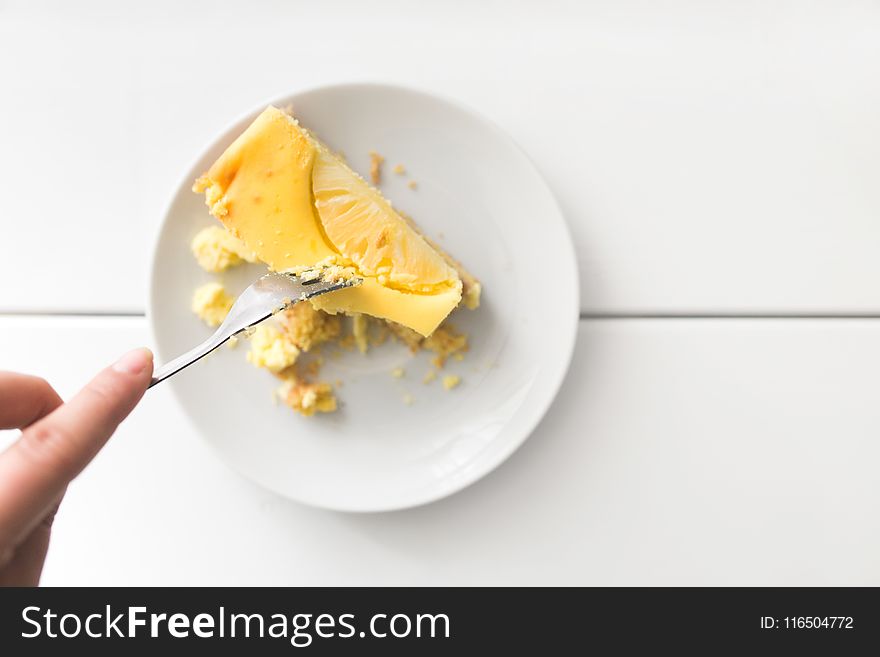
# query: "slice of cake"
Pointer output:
{"type": "Point", "coordinates": [295, 204]}
{"type": "Point", "coordinates": [288, 201]}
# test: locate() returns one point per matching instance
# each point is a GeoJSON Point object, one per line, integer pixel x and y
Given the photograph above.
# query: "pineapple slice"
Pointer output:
{"type": "Point", "coordinates": [361, 223]}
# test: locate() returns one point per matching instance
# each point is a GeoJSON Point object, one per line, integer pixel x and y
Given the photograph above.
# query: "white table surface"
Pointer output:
{"type": "Point", "coordinates": [711, 158]}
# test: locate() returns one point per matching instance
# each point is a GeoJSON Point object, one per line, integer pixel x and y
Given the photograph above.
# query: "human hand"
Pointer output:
{"type": "Point", "coordinates": [57, 441]}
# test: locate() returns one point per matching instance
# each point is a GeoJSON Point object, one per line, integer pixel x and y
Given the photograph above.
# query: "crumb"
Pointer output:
{"type": "Point", "coordinates": [399, 169]}
{"type": "Point", "coordinates": [361, 328]}
{"type": "Point", "coordinates": [308, 398]}
{"type": "Point", "coordinates": [271, 349]}
{"type": "Point", "coordinates": [329, 269]}
{"type": "Point", "coordinates": [430, 375]}
{"type": "Point", "coordinates": [470, 296]}
{"type": "Point", "coordinates": [215, 199]}
{"type": "Point", "coordinates": [458, 356]}
{"type": "Point", "coordinates": [408, 399]}
{"type": "Point", "coordinates": [211, 303]}
{"type": "Point", "coordinates": [441, 236]}
{"type": "Point", "coordinates": [232, 343]}
{"type": "Point", "coordinates": [446, 341]}
{"type": "Point", "coordinates": [450, 381]}
{"type": "Point", "coordinates": [285, 302]}
{"type": "Point", "coordinates": [412, 184]}
{"type": "Point", "coordinates": [376, 161]}
{"type": "Point", "coordinates": [307, 327]}
{"type": "Point", "coordinates": [398, 372]}
{"type": "Point", "coordinates": [216, 250]}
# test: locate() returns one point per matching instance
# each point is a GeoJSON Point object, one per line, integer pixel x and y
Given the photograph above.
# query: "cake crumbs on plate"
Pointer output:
{"type": "Point", "coordinates": [307, 327]}
{"type": "Point", "coordinates": [450, 381]}
{"type": "Point", "coordinates": [211, 303]}
{"type": "Point", "coordinates": [446, 341]}
{"type": "Point", "coordinates": [308, 398]}
{"type": "Point", "coordinates": [217, 250]}
{"type": "Point", "coordinates": [294, 344]}
{"type": "Point", "coordinates": [271, 350]}
{"type": "Point", "coordinates": [376, 161]}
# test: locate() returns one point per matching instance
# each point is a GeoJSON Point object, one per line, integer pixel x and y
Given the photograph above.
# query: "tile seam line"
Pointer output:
{"type": "Point", "coordinates": [69, 313]}
{"type": "Point", "coordinates": [582, 316]}
{"type": "Point", "coordinates": [767, 315]}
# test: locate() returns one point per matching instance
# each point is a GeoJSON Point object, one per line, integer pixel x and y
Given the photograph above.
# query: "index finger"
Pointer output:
{"type": "Point", "coordinates": [35, 470]}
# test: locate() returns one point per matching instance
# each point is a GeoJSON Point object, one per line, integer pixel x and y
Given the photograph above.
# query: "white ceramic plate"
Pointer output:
{"type": "Point", "coordinates": [483, 200]}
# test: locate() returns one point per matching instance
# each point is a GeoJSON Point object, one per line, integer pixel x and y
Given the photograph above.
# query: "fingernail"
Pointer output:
{"type": "Point", "coordinates": [134, 362]}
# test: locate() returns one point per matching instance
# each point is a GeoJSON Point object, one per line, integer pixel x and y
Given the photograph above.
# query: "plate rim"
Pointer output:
{"type": "Point", "coordinates": [542, 404]}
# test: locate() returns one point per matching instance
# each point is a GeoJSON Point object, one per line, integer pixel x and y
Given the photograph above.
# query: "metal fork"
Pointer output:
{"type": "Point", "coordinates": [265, 297]}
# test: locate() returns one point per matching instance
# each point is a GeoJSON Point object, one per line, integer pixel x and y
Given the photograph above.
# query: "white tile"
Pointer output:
{"type": "Point", "coordinates": [709, 157]}
{"type": "Point", "coordinates": [678, 452]}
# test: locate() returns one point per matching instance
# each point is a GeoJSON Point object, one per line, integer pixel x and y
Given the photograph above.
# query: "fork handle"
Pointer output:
{"type": "Point", "coordinates": [190, 357]}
